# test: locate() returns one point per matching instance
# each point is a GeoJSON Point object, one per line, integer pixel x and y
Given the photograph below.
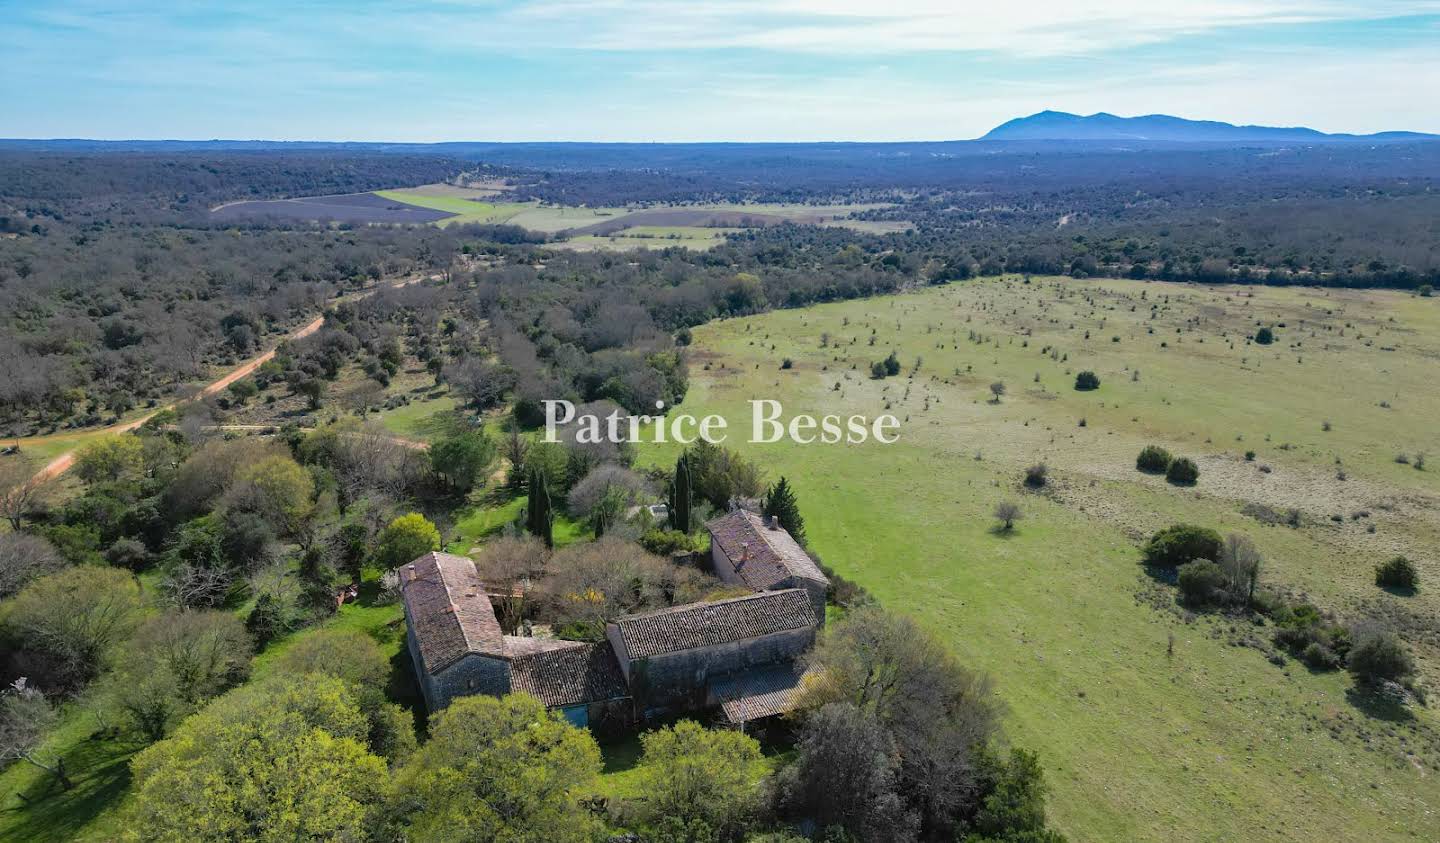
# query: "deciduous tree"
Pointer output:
{"type": "Point", "coordinates": [499, 769]}
{"type": "Point", "coordinates": [406, 539]}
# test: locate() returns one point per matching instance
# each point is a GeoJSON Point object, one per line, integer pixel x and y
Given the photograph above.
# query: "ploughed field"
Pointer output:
{"type": "Point", "coordinates": [348, 207]}
{"type": "Point", "coordinates": [696, 227]}
{"type": "Point", "coordinates": [1153, 722]}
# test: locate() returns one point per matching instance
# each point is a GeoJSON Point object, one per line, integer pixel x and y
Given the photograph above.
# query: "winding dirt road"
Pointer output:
{"type": "Point", "coordinates": [63, 463]}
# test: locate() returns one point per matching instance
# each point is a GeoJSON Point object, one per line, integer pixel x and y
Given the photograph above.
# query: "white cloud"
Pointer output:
{"type": "Point", "coordinates": [848, 27]}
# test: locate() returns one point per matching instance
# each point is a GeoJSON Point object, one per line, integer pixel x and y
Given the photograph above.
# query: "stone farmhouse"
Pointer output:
{"type": "Point", "coordinates": [736, 655]}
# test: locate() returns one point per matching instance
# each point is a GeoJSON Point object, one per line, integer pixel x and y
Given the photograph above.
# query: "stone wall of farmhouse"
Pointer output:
{"type": "Point", "coordinates": [471, 675]}
{"type": "Point", "coordinates": [681, 680]}
{"type": "Point", "coordinates": [720, 564]}
{"type": "Point", "coordinates": [816, 590]}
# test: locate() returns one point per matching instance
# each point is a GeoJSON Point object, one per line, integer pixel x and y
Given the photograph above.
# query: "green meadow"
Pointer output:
{"type": "Point", "coordinates": [1153, 723]}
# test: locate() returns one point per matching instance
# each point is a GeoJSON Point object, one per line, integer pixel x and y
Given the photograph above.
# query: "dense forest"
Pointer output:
{"type": "Point", "coordinates": [117, 289]}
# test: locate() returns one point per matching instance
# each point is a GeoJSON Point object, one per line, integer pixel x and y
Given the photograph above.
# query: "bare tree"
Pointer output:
{"type": "Point", "coordinates": [481, 383]}
{"type": "Point", "coordinates": [24, 557]}
{"type": "Point", "coordinates": [25, 718]}
{"type": "Point", "coordinates": [20, 489]}
{"type": "Point", "coordinates": [1007, 513]}
{"type": "Point", "coordinates": [196, 586]}
{"type": "Point", "coordinates": [1240, 560]}
{"type": "Point", "coordinates": [508, 565]}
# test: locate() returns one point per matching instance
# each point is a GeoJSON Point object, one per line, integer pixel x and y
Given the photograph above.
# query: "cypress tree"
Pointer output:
{"type": "Point", "coordinates": [547, 514]}
{"type": "Point", "coordinates": [680, 495]}
{"type": "Point", "coordinates": [780, 505]}
{"type": "Point", "coordinates": [538, 516]}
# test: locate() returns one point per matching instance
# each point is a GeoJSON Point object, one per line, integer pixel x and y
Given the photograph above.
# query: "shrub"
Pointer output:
{"type": "Point", "coordinates": [1319, 657]}
{"type": "Point", "coordinates": [1037, 475]}
{"type": "Point", "coordinates": [1250, 456]}
{"type": "Point", "coordinates": [1153, 459]}
{"type": "Point", "coordinates": [892, 365]}
{"type": "Point", "coordinates": [1201, 582]}
{"type": "Point", "coordinates": [877, 370]}
{"type": "Point", "coordinates": [787, 363]}
{"type": "Point", "coordinates": [1086, 381]}
{"type": "Point", "coordinates": [1181, 543]}
{"type": "Point", "coordinates": [1183, 472]}
{"type": "Point", "coordinates": [1397, 573]}
{"type": "Point", "coordinates": [1378, 656]}
{"type": "Point", "coordinates": [667, 542]}
{"type": "Point", "coordinates": [1264, 336]}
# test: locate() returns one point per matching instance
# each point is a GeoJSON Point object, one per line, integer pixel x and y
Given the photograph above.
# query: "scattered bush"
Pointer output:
{"type": "Point", "coordinates": [1201, 582]}
{"type": "Point", "coordinates": [1380, 656]}
{"type": "Point", "coordinates": [1397, 573]}
{"type": "Point", "coordinates": [1183, 472]}
{"type": "Point", "coordinates": [1317, 656]}
{"type": "Point", "coordinates": [1086, 381]}
{"type": "Point", "coordinates": [787, 363]}
{"type": "Point", "coordinates": [1264, 336]}
{"type": "Point", "coordinates": [1309, 636]}
{"type": "Point", "coordinates": [1037, 475]}
{"type": "Point", "coordinates": [1153, 460]}
{"type": "Point", "coordinates": [1181, 543]}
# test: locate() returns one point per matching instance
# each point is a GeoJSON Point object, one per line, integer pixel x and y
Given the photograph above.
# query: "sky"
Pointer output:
{"type": "Point", "coordinates": [701, 70]}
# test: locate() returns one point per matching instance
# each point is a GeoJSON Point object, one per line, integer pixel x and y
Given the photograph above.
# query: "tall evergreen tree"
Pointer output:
{"type": "Point", "coordinates": [540, 516]}
{"type": "Point", "coordinates": [680, 495]}
{"type": "Point", "coordinates": [780, 504]}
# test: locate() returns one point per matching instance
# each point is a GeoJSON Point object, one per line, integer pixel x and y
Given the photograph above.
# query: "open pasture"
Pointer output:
{"type": "Point", "coordinates": [1153, 723]}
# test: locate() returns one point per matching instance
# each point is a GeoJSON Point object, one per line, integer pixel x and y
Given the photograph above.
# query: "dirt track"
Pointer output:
{"type": "Point", "coordinates": [63, 463]}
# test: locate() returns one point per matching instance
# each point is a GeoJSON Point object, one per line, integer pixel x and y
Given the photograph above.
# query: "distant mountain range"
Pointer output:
{"type": "Point", "coordinates": [1063, 126]}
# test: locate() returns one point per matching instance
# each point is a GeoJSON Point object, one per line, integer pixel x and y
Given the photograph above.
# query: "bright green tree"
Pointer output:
{"type": "Point", "coordinates": [277, 489]}
{"type": "Point", "coordinates": [74, 619]}
{"type": "Point", "coordinates": [406, 539]}
{"type": "Point", "coordinates": [112, 459]}
{"type": "Point", "coordinates": [499, 769]}
{"type": "Point", "coordinates": [281, 760]}
{"type": "Point", "coordinates": [780, 504]}
{"type": "Point", "coordinates": [698, 782]}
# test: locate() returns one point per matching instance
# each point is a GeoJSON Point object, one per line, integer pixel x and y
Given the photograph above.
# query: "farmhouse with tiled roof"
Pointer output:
{"type": "Point", "coordinates": [672, 658]}
{"type": "Point", "coordinates": [458, 649]}
{"type": "Point", "coordinates": [755, 551]}
{"type": "Point", "coordinates": [738, 655]}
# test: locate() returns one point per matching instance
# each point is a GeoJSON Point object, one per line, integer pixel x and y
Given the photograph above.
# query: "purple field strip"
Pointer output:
{"type": "Point", "coordinates": [351, 207]}
{"type": "Point", "coordinates": [725, 219]}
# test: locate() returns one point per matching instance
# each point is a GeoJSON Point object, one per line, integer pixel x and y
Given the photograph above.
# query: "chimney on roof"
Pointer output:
{"type": "Point", "coordinates": [744, 551]}
{"type": "Point", "coordinates": [772, 522]}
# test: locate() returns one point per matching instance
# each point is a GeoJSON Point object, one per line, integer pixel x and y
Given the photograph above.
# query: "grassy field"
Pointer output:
{"type": "Point", "coordinates": [1205, 741]}
{"type": "Point", "coordinates": [651, 237]}
{"type": "Point", "coordinates": [472, 206]}
{"type": "Point", "coordinates": [466, 210]}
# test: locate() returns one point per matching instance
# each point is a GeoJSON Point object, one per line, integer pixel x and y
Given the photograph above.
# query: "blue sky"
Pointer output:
{"type": "Point", "coordinates": [646, 70]}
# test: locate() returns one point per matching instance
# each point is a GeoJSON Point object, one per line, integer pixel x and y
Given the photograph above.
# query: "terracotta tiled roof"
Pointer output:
{"type": "Point", "coordinates": [761, 692]}
{"type": "Point", "coordinates": [569, 673]}
{"type": "Point", "coordinates": [706, 624]}
{"type": "Point", "coordinates": [448, 611]}
{"type": "Point", "coordinates": [764, 556]}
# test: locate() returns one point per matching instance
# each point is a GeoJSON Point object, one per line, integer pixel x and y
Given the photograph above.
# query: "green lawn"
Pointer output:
{"type": "Point", "coordinates": [1210, 742]}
